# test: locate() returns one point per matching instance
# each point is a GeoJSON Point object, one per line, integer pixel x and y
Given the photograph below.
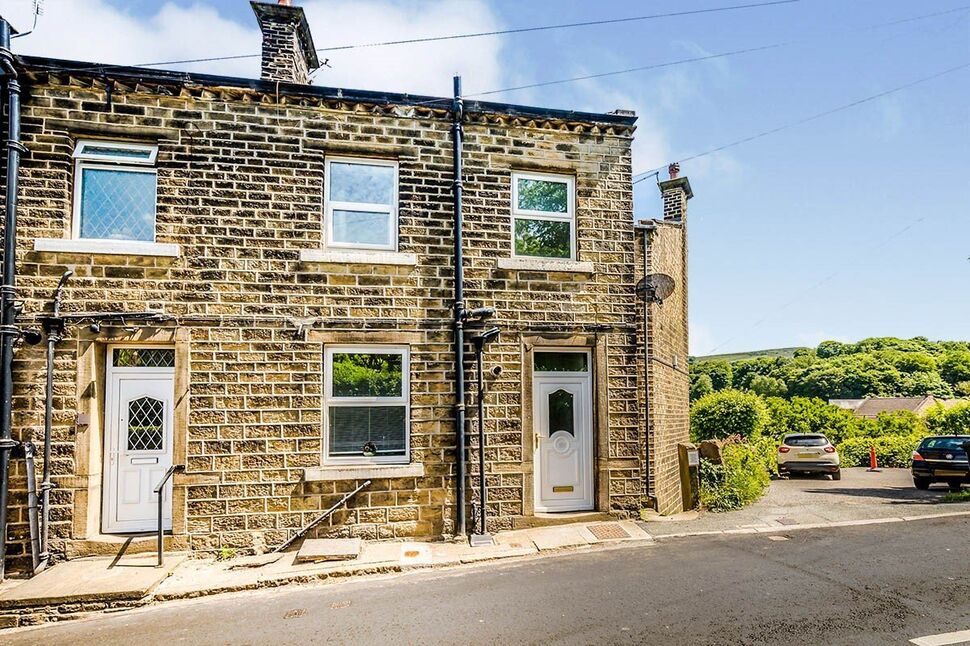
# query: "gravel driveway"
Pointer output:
{"type": "Point", "coordinates": [860, 495]}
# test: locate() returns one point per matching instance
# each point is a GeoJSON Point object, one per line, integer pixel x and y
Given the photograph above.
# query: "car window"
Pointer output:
{"type": "Point", "coordinates": [945, 443]}
{"type": "Point", "coordinates": [811, 440]}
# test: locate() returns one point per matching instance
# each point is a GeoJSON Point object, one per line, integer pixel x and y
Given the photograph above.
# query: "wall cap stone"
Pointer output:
{"type": "Point", "coordinates": [358, 257]}
{"type": "Point", "coordinates": [545, 264]}
{"type": "Point", "coordinates": [363, 472]}
{"type": "Point", "coordinates": [107, 247]}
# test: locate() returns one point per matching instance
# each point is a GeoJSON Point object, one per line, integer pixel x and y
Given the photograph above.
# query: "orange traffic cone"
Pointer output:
{"type": "Point", "coordinates": [873, 462]}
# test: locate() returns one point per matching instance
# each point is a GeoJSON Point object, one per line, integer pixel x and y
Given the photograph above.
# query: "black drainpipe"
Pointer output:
{"type": "Point", "coordinates": [457, 111]}
{"type": "Point", "coordinates": [8, 313]}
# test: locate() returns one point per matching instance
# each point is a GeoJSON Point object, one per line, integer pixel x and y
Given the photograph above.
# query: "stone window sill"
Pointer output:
{"type": "Point", "coordinates": [107, 247]}
{"type": "Point", "coordinates": [545, 264]}
{"type": "Point", "coordinates": [363, 472]}
{"type": "Point", "coordinates": [348, 257]}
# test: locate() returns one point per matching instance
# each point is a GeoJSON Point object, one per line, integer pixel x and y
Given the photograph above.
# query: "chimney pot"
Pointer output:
{"type": "Point", "coordinates": [673, 170]}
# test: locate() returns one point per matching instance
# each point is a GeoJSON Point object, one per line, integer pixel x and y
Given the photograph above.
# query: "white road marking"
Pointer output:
{"type": "Point", "coordinates": [943, 639]}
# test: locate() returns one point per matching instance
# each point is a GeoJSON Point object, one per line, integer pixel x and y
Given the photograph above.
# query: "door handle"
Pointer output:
{"type": "Point", "coordinates": [535, 442]}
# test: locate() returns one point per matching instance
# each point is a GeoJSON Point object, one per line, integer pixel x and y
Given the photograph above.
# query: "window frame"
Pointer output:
{"type": "Point", "coordinates": [329, 400]}
{"type": "Point", "coordinates": [83, 161]}
{"type": "Point", "coordinates": [329, 205]}
{"type": "Point", "coordinates": [530, 214]}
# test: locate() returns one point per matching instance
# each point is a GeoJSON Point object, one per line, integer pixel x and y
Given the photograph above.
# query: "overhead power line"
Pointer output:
{"type": "Point", "coordinates": [639, 177]}
{"type": "Point", "coordinates": [481, 34]}
{"type": "Point", "coordinates": [588, 23]}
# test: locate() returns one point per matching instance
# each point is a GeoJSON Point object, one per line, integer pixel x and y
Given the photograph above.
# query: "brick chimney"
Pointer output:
{"type": "Point", "coordinates": [288, 52]}
{"type": "Point", "coordinates": [675, 191]}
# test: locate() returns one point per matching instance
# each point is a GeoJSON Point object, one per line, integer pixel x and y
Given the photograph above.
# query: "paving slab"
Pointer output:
{"type": "Point", "coordinates": [555, 538]}
{"type": "Point", "coordinates": [92, 579]}
{"type": "Point", "coordinates": [315, 550]}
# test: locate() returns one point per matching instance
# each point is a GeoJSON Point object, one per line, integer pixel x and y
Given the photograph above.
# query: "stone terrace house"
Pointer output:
{"type": "Point", "coordinates": [263, 290]}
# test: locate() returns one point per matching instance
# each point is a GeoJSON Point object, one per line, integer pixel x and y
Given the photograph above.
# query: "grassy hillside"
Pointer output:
{"type": "Point", "coordinates": [787, 353]}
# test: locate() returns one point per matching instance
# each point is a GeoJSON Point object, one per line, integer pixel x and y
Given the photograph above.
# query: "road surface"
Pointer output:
{"type": "Point", "coordinates": [875, 584]}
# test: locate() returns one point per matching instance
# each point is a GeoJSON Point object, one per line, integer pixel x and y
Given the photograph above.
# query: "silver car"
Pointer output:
{"type": "Point", "coordinates": [808, 453]}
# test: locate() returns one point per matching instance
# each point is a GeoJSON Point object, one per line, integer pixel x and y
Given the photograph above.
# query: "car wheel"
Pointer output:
{"type": "Point", "coordinates": [921, 483]}
{"type": "Point", "coordinates": [955, 486]}
{"type": "Point", "coordinates": [837, 475]}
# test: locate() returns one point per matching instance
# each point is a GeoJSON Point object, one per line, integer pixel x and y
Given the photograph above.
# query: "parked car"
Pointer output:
{"type": "Point", "coordinates": [808, 453]}
{"type": "Point", "coordinates": [941, 459]}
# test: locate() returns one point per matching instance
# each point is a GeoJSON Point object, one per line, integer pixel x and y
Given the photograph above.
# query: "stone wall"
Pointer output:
{"type": "Point", "coordinates": [240, 189]}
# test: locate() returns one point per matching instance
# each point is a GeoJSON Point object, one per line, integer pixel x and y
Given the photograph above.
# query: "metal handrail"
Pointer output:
{"type": "Point", "coordinates": [175, 468]}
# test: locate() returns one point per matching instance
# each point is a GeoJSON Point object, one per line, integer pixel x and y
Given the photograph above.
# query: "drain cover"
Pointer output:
{"type": "Point", "coordinates": [608, 531]}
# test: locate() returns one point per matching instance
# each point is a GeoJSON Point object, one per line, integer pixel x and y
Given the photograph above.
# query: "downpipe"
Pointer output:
{"type": "Point", "coordinates": [54, 327]}
{"type": "Point", "coordinates": [33, 503]}
{"type": "Point", "coordinates": [8, 312]}
{"type": "Point", "coordinates": [457, 134]}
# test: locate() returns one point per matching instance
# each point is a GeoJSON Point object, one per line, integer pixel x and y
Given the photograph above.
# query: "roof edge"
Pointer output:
{"type": "Point", "coordinates": [103, 70]}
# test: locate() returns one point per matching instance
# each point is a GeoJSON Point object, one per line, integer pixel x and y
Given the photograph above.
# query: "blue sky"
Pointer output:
{"type": "Point", "coordinates": [854, 225]}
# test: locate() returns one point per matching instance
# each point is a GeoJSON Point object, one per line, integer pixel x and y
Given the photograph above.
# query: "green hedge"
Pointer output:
{"type": "Point", "coordinates": [739, 481]}
{"type": "Point", "coordinates": [891, 450]}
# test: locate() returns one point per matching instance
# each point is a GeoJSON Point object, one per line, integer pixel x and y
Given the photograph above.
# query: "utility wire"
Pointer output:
{"type": "Point", "coordinates": [589, 23]}
{"type": "Point", "coordinates": [517, 30]}
{"type": "Point", "coordinates": [801, 294]}
{"type": "Point", "coordinates": [639, 177]}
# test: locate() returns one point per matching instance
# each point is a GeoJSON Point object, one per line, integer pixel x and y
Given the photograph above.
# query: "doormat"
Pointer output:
{"type": "Point", "coordinates": [608, 531]}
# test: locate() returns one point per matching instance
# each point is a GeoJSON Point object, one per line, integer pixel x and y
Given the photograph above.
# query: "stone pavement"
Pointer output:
{"type": "Point", "coordinates": [70, 589]}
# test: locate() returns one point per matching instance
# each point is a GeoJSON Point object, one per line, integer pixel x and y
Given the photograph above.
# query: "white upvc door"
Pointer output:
{"type": "Point", "coordinates": [563, 427]}
{"type": "Point", "coordinates": [139, 408]}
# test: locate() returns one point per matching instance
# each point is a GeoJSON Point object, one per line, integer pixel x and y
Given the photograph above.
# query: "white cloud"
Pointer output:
{"type": "Point", "coordinates": [93, 30]}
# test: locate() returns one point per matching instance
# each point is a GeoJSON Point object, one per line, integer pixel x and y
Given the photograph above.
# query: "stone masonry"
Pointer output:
{"type": "Point", "coordinates": [250, 309]}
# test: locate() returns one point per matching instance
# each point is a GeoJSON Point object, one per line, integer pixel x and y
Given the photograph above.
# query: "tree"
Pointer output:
{"type": "Point", "coordinates": [719, 372]}
{"type": "Point", "coordinates": [949, 421]}
{"type": "Point", "coordinates": [728, 412]}
{"type": "Point", "coordinates": [768, 386]}
{"type": "Point", "coordinates": [827, 349]}
{"type": "Point", "coordinates": [955, 366]}
{"type": "Point", "coordinates": [701, 385]}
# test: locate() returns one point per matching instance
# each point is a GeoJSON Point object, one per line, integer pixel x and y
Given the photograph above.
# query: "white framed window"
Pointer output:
{"type": "Point", "coordinates": [114, 191]}
{"type": "Point", "coordinates": [360, 203]}
{"type": "Point", "coordinates": [543, 216]}
{"type": "Point", "coordinates": [366, 404]}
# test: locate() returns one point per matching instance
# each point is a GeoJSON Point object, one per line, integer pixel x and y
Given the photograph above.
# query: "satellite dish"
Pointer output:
{"type": "Point", "coordinates": [655, 288]}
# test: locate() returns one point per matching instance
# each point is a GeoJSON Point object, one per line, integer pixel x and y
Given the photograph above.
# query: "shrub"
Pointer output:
{"type": "Point", "coordinates": [892, 451]}
{"type": "Point", "coordinates": [726, 413]}
{"type": "Point", "coordinates": [766, 450]}
{"type": "Point", "coordinates": [949, 421]}
{"type": "Point", "coordinates": [740, 480]}
{"type": "Point", "coordinates": [809, 415]}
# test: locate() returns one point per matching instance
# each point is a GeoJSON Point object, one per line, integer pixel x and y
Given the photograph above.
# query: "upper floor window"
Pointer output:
{"type": "Point", "coordinates": [367, 404]}
{"type": "Point", "coordinates": [114, 193]}
{"type": "Point", "coordinates": [361, 203]}
{"type": "Point", "coordinates": [543, 209]}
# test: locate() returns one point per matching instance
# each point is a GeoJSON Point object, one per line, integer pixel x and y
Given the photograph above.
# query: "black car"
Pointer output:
{"type": "Point", "coordinates": [942, 459]}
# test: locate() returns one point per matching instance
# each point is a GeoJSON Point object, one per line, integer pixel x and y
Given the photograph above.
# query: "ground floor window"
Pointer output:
{"type": "Point", "coordinates": [367, 404]}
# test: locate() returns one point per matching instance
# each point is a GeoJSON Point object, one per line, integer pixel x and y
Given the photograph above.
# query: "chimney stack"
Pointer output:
{"type": "Point", "coordinates": [675, 192]}
{"type": "Point", "coordinates": [288, 52]}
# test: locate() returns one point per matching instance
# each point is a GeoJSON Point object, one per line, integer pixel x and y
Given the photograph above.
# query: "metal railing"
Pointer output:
{"type": "Point", "coordinates": [159, 491]}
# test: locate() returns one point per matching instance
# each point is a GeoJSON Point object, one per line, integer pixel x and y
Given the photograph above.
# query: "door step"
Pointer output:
{"type": "Point", "coordinates": [560, 518]}
{"type": "Point", "coordinates": [120, 544]}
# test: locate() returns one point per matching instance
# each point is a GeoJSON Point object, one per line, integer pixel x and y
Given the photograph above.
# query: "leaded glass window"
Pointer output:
{"type": "Point", "coordinates": [144, 358]}
{"type": "Point", "coordinates": [116, 191]}
{"type": "Point", "coordinates": [146, 424]}
{"type": "Point", "coordinates": [543, 216]}
{"type": "Point", "coordinates": [361, 203]}
{"type": "Point", "coordinates": [367, 403]}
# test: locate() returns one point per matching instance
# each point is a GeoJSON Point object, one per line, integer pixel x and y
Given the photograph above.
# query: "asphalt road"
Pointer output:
{"type": "Point", "coordinates": [877, 584]}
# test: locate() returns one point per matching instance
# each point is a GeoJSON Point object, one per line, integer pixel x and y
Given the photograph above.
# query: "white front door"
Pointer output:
{"type": "Point", "coordinates": [138, 448]}
{"type": "Point", "coordinates": [563, 425]}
